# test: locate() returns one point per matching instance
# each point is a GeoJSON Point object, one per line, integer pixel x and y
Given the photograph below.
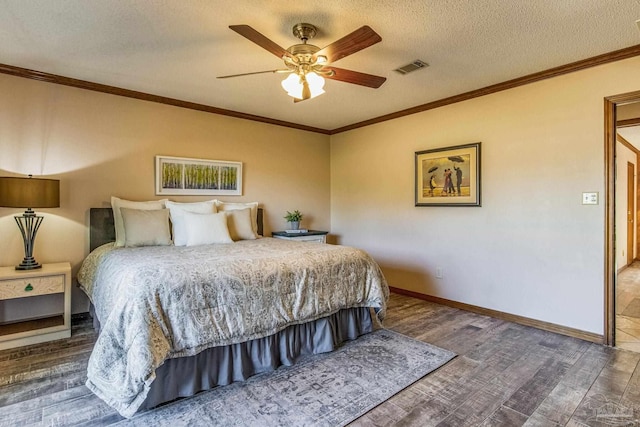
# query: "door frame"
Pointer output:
{"type": "Point", "coordinates": [610, 272]}
{"type": "Point", "coordinates": [631, 211]}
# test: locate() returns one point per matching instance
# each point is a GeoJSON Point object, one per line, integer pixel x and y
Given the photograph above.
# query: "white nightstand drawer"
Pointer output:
{"type": "Point", "coordinates": [31, 286]}
{"type": "Point", "coordinates": [308, 236]}
{"type": "Point", "coordinates": [317, 239]}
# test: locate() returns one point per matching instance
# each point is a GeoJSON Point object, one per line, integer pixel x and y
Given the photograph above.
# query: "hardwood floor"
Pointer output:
{"type": "Point", "coordinates": [508, 375]}
{"type": "Point", "coordinates": [505, 375]}
{"type": "Point", "coordinates": [628, 308]}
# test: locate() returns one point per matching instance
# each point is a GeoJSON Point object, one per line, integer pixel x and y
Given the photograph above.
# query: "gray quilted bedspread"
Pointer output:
{"type": "Point", "coordinates": [161, 302]}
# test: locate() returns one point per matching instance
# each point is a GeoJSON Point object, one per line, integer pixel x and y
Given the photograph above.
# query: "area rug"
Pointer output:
{"type": "Point", "coordinates": [330, 389]}
{"type": "Point", "coordinates": [633, 309]}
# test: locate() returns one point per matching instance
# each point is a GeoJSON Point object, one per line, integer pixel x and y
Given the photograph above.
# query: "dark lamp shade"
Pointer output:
{"type": "Point", "coordinates": [29, 192]}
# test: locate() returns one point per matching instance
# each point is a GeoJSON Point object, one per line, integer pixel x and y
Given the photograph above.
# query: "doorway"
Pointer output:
{"type": "Point", "coordinates": [627, 286]}
{"type": "Point", "coordinates": [630, 209]}
{"type": "Point", "coordinates": [622, 280]}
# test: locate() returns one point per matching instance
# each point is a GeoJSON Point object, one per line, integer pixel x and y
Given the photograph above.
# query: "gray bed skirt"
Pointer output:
{"type": "Point", "coordinates": [186, 376]}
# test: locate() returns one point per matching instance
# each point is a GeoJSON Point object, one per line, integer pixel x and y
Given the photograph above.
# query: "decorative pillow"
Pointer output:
{"type": "Point", "coordinates": [223, 206]}
{"type": "Point", "coordinates": [239, 223]}
{"type": "Point", "coordinates": [205, 229]}
{"type": "Point", "coordinates": [146, 227]}
{"type": "Point", "coordinates": [177, 217]}
{"type": "Point", "coordinates": [117, 203]}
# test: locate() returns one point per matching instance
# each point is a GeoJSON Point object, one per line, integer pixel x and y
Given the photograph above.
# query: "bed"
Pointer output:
{"type": "Point", "coordinates": [176, 320]}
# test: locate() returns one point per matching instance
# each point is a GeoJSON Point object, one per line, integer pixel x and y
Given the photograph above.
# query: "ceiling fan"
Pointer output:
{"type": "Point", "coordinates": [307, 65]}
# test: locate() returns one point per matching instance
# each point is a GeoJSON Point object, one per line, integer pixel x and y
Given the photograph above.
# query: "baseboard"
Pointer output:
{"type": "Point", "coordinates": [546, 326]}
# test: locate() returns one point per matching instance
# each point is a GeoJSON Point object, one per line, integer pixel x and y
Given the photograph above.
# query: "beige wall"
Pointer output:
{"type": "Point", "coordinates": [623, 156]}
{"type": "Point", "coordinates": [100, 145]}
{"type": "Point", "coordinates": [532, 249]}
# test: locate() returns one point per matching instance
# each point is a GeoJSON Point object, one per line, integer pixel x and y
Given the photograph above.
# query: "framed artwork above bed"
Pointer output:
{"type": "Point", "coordinates": [181, 176]}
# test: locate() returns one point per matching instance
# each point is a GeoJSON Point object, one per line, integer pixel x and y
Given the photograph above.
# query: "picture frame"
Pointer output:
{"type": "Point", "coordinates": [448, 176]}
{"type": "Point", "coordinates": [182, 176]}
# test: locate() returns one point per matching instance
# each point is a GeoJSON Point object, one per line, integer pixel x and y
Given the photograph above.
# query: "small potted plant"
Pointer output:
{"type": "Point", "coordinates": [294, 218]}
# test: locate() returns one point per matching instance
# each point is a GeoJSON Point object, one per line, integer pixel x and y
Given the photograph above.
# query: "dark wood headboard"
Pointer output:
{"type": "Point", "coordinates": [102, 229]}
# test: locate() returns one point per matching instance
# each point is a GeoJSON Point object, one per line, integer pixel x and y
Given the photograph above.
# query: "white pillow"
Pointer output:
{"type": "Point", "coordinates": [177, 217]}
{"type": "Point", "coordinates": [205, 229]}
{"type": "Point", "coordinates": [239, 223]}
{"type": "Point", "coordinates": [222, 206]}
{"type": "Point", "coordinates": [146, 227]}
{"type": "Point", "coordinates": [117, 203]}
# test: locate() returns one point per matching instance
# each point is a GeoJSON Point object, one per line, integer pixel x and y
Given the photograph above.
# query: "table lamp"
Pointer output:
{"type": "Point", "coordinates": [29, 193]}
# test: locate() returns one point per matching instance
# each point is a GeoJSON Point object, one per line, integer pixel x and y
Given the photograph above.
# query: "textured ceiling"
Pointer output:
{"type": "Point", "coordinates": [177, 48]}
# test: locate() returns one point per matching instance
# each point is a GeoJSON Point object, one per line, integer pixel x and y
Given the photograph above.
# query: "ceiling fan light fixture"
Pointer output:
{"type": "Point", "coordinates": [305, 86]}
{"type": "Point", "coordinates": [293, 85]}
{"type": "Point", "coordinates": [316, 84]}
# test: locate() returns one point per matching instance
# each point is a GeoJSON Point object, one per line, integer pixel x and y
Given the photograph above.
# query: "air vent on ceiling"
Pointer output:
{"type": "Point", "coordinates": [415, 65]}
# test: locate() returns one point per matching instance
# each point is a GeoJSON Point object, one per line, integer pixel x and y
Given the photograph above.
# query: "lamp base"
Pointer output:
{"type": "Point", "coordinates": [28, 264]}
{"type": "Point", "coordinates": [28, 223]}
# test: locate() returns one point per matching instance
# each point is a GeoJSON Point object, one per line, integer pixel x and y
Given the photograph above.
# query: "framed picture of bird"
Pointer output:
{"type": "Point", "coordinates": [448, 176]}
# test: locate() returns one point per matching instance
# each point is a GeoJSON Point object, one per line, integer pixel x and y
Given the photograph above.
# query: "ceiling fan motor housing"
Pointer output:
{"type": "Point", "coordinates": [301, 58]}
{"type": "Point", "coordinates": [304, 31]}
{"type": "Point", "coordinates": [304, 54]}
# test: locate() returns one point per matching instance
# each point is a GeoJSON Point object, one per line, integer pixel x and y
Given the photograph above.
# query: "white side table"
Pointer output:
{"type": "Point", "coordinates": [50, 279]}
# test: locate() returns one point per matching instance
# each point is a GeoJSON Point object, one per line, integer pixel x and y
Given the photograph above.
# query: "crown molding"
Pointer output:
{"type": "Point", "coordinates": [113, 90]}
{"type": "Point", "coordinates": [627, 144]}
{"type": "Point", "coordinates": [628, 123]}
{"type": "Point", "coordinates": [606, 58]}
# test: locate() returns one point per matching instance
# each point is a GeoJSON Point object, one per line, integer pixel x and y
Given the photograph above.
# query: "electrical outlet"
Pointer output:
{"type": "Point", "coordinates": [439, 272]}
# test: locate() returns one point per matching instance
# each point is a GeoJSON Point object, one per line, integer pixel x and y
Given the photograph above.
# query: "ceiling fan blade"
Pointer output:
{"type": "Point", "coordinates": [355, 77]}
{"type": "Point", "coordinates": [251, 34]}
{"type": "Point", "coordinates": [351, 43]}
{"type": "Point", "coordinates": [255, 72]}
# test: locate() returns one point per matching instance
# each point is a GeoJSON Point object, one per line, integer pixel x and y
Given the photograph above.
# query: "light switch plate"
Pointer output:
{"type": "Point", "coordinates": [590, 198]}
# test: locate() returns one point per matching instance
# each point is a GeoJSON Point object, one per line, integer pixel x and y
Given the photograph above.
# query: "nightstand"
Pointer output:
{"type": "Point", "coordinates": [50, 279]}
{"type": "Point", "coordinates": [309, 236]}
